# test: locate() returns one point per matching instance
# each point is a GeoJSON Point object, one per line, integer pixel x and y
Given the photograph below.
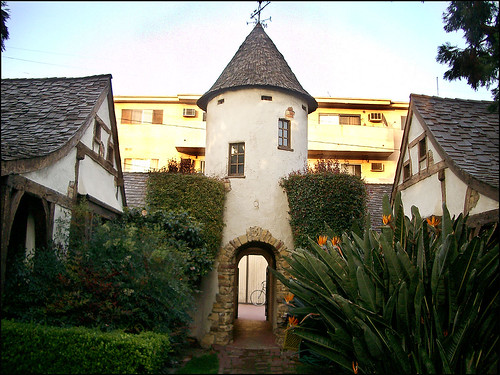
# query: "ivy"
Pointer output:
{"type": "Point", "coordinates": [324, 194]}
{"type": "Point", "coordinates": [200, 196]}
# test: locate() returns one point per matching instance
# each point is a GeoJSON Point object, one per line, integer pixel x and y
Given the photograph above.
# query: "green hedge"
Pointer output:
{"type": "Point", "coordinates": [202, 197]}
{"type": "Point", "coordinates": [30, 348]}
{"type": "Point", "coordinates": [315, 198]}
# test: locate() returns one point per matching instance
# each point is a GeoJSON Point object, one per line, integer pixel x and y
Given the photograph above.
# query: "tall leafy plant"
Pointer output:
{"type": "Point", "coordinates": [419, 297]}
{"type": "Point", "coordinates": [324, 193]}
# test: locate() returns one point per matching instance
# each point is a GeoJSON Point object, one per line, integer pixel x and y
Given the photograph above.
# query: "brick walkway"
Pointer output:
{"type": "Point", "coordinates": [254, 350]}
{"type": "Point", "coordinates": [238, 360]}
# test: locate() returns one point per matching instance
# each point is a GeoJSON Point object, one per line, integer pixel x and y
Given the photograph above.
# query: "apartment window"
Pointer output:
{"type": "Point", "coordinates": [204, 118]}
{"type": "Point", "coordinates": [336, 119]}
{"type": "Point", "coordinates": [139, 165]}
{"type": "Point", "coordinates": [266, 97]}
{"type": "Point", "coordinates": [284, 134]}
{"type": "Point", "coordinates": [142, 116]}
{"type": "Point", "coordinates": [236, 159]}
{"type": "Point", "coordinates": [354, 169]}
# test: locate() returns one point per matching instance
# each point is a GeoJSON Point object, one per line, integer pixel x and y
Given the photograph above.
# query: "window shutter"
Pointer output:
{"type": "Point", "coordinates": [126, 116]}
{"type": "Point", "coordinates": [158, 116]}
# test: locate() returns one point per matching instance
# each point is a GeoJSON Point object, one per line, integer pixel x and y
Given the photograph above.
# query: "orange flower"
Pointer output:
{"type": "Point", "coordinates": [322, 240]}
{"type": "Point", "coordinates": [293, 321]}
{"type": "Point", "coordinates": [355, 367]}
{"type": "Point", "coordinates": [386, 219]}
{"type": "Point", "coordinates": [289, 297]}
{"type": "Point", "coordinates": [433, 221]}
{"type": "Point", "coordinates": [335, 241]}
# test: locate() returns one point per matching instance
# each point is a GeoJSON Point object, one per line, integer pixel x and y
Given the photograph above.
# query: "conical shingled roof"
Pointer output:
{"type": "Point", "coordinates": [257, 63]}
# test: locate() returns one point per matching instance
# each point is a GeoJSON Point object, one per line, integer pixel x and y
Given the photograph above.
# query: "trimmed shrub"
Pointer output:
{"type": "Point", "coordinates": [202, 197]}
{"type": "Point", "coordinates": [420, 297]}
{"type": "Point", "coordinates": [324, 195]}
{"type": "Point", "coordinates": [29, 348]}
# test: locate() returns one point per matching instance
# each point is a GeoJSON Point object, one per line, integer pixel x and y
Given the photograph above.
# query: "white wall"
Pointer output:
{"type": "Point", "coordinates": [257, 199]}
{"type": "Point", "coordinates": [426, 195]}
{"type": "Point", "coordinates": [56, 176]}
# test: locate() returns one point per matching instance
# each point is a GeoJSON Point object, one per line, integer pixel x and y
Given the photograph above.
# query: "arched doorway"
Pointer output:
{"type": "Point", "coordinates": [224, 312]}
{"type": "Point", "coordinates": [29, 229]}
{"type": "Point", "coordinates": [251, 252]}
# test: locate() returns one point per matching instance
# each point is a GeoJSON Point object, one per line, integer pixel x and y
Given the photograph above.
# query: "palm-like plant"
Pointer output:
{"type": "Point", "coordinates": [421, 296]}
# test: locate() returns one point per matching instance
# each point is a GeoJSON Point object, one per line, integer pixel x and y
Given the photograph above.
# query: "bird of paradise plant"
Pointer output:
{"type": "Point", "coordinates": [407, 299]}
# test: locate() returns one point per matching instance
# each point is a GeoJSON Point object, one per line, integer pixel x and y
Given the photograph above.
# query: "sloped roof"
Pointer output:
{"type": "Point", "coordinates": [136, 188]}
{"type": "Point", "coordinates": [41, 115]}
{"type": "Point", "coordinates": [465, 131]}
{"type": "Point", "coordinates": [257, 63]}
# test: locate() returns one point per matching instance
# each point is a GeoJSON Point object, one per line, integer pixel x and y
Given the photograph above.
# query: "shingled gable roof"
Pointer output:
{"type": "Point", "coordinates": [465, 134]}
{"type": "Point", "coordinates": [257, 63]}
{"type": "Point", "coordinates": [43, 118]}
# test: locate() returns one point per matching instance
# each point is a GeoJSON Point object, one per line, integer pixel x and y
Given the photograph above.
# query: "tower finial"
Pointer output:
{"type": "Point", "coordinates": [257, 11]}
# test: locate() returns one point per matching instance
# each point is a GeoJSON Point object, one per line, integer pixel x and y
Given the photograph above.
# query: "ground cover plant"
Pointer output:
{"type": "Point", "coordinates": [421, 296]}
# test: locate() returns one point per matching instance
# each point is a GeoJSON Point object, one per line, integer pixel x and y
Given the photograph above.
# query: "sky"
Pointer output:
{"type": "Point", "coordinates": [379, 50]}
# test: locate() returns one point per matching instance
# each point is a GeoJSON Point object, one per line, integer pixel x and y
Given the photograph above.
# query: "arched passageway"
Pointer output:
{"type": "Point", "coordinates": [256, 241]}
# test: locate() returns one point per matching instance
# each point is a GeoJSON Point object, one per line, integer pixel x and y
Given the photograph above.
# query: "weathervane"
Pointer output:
{"type": "Point", "coordinates": [257, 11]}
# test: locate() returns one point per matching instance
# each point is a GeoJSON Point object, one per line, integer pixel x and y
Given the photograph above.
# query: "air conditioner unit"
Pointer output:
{"type": "Point", "coordinates": [377, 167]}
{"type": "Point", "coordinates": [189, 112]}
{"type": "Point", "coordinates": [375, 117]}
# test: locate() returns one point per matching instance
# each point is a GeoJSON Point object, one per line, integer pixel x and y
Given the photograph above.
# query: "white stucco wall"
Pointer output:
{"type": "Point", "coordinates": [56, 176]}
{"type": "Point", "coordinates": [257, 199]}
{"type": "Point", "coordinates": [426, 195]}
{"type": "Point", "coordinates": [97, 182]}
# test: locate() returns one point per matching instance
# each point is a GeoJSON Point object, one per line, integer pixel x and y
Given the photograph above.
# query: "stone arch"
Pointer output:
{"type": "Point", "coordinates": [223, 311]}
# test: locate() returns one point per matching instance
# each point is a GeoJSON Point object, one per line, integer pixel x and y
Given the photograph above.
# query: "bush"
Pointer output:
{"type": "Point", "coordinates": [127, 275]}
{"type": "Point", "coordinates": [29, 348]}
{"type": "Point", "coordinates": [202, 197]}
{"type": "Point", "coordinates": [420, 297]}
{"type": "Point", "coordinates": [322, 195]}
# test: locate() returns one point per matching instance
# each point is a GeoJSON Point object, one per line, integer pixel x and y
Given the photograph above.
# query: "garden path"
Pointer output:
{"type": "Point", "coordinates": [254, 350]}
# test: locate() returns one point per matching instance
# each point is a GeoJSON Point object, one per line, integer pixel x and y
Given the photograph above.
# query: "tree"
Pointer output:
{"type": "Point", "coordinates": [478, 62]}
{"type": "Point", "coordinates": [5, 31]}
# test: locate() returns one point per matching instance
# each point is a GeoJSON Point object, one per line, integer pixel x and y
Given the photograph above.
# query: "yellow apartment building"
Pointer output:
{"type": "Point", "coordinates": [364, 135]}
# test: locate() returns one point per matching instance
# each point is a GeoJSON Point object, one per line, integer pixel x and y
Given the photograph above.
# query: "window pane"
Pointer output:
{"type": "Point", "coordinates": [241, 148]}
{"type": "Point", "coordinates": [233, 169]}
{"type": "Point", "coordinates": [136, 116]}
{"type": "Point", "coordinates": [241, 159]}
{"type": "Point", "coordinates": [329, 119]}
{"type": "Point", "coordinates": [280, 132]}
{"type": "Point", "coordinates": [240, 169]}
{"type": "Point", "coordinates": [234, 149]}
{"type": "Point", "coordinates": [280, 141]}
{"type": "Point", "coordinates": [234, 159]}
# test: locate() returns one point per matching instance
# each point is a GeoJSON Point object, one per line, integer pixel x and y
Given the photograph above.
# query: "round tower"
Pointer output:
{"type": "Point", "coordinates": [256, 134]}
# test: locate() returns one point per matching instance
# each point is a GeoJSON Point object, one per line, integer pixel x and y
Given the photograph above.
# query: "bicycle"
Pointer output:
{"type": "Point", "coordinates": [258, 296]}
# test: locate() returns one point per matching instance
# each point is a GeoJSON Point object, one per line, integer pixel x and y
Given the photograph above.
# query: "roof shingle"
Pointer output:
{"type": "Point", "coordinates": [40, 115]}
{"type": "Point", "coordinates": [257, 63]}
{"type": "Point", "coordinates": [466, 131]}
